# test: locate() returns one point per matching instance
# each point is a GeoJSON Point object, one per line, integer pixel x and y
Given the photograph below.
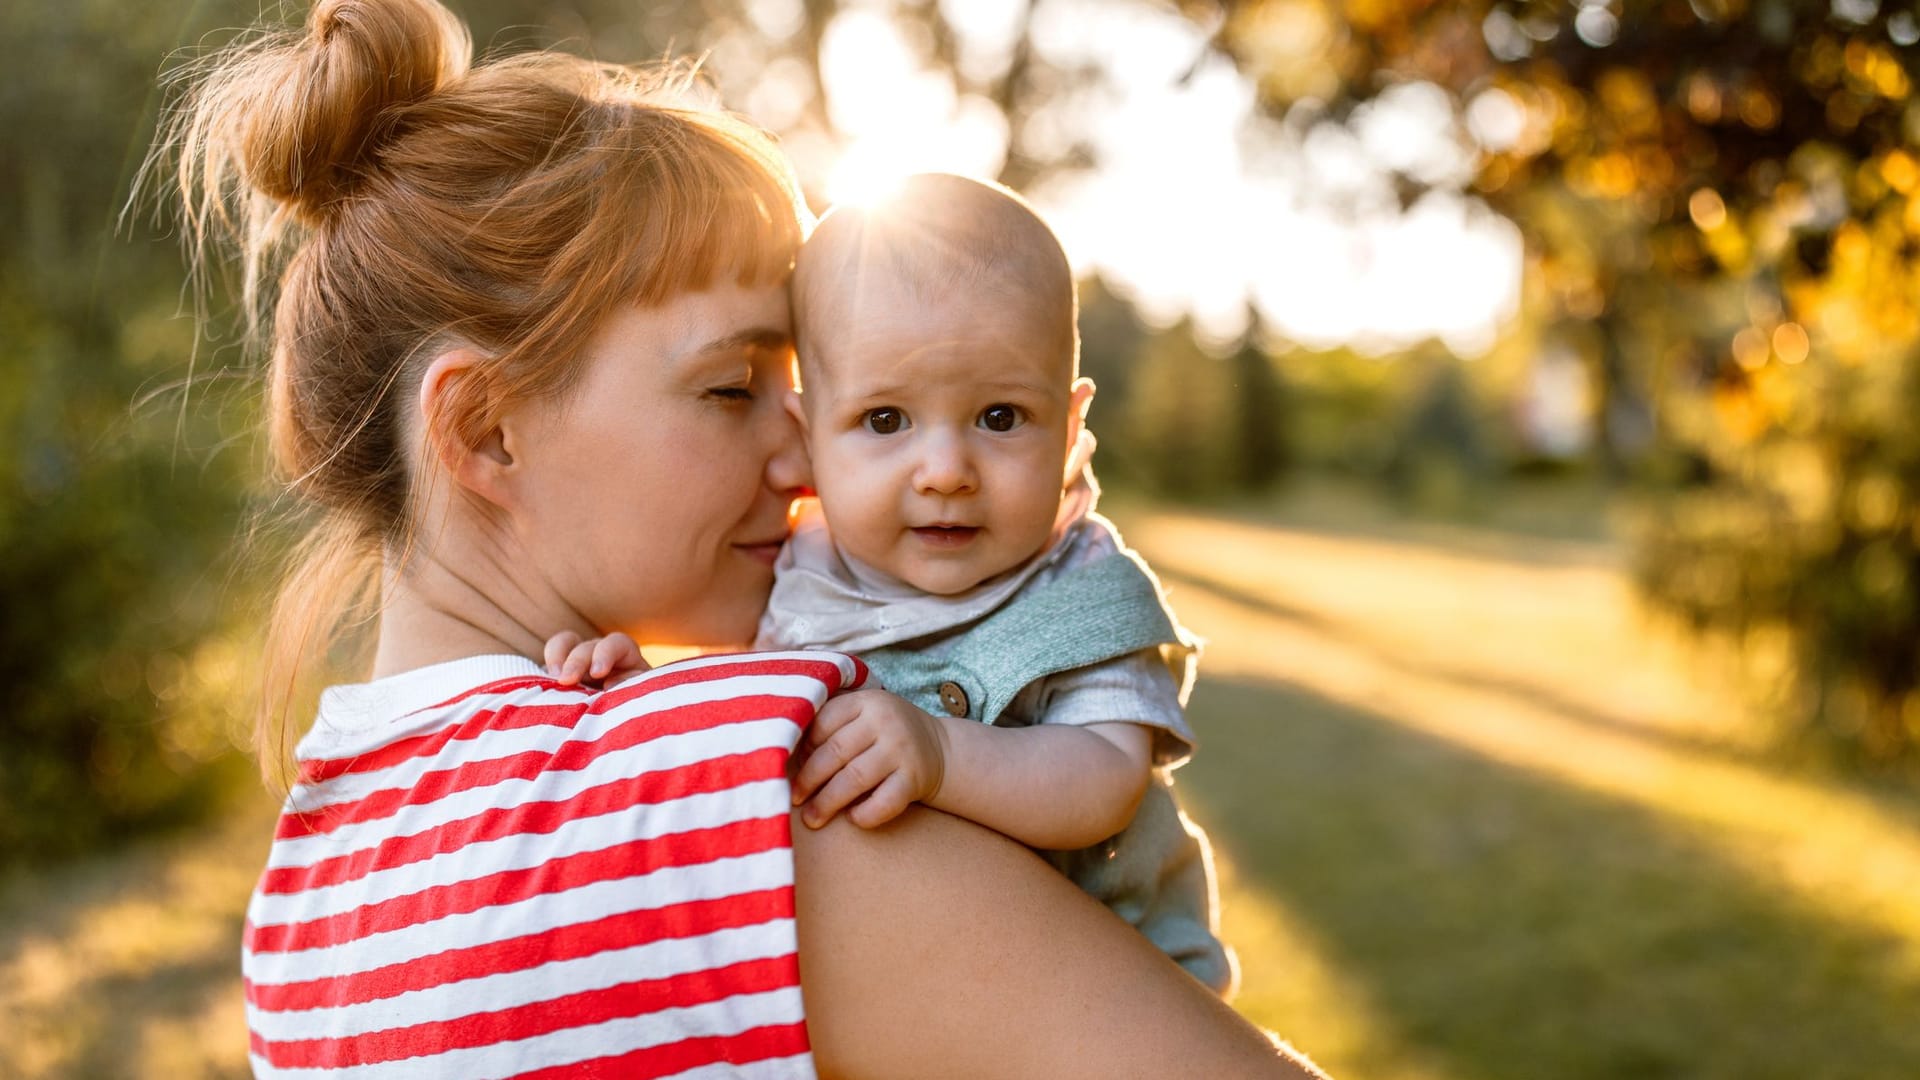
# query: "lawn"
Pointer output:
{"type": "Point", "coordinates": [1477, 816]}
{"type": "Point", "coordinates": [1480, 816]}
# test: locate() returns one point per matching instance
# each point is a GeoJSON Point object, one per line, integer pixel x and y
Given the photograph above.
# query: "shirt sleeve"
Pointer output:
{"type": "Point", "coordinates": [1136, 688]}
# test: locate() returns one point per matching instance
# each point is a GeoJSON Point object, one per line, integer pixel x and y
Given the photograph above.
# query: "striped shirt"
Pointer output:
{"type": "Point", "coordinates": [482, 873]}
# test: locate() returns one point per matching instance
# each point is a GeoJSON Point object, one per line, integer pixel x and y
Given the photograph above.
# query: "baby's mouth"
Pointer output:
{"type": "Point", "coordinates": [947, 536]}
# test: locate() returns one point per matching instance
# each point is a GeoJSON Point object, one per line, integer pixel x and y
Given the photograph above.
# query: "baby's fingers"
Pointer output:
{"type": "Point", "coordinates": [836, 714]}
{"type": "Point", "coordinates": [574, 667]}
{"type": "Point", "coordinates": [857, 778]}
{"type": "Point", "coordinates": [615, 653]}
{"type": "Point", "coordinates": [829, 760]}
{"type": "Point", "coordinates": [894, 794]}
{"type": "Point", "coordinates": [558, 646]}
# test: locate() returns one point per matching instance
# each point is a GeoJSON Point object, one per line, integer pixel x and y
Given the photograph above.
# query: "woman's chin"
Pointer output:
{"type": "Point", "coordinates": [721, 627]}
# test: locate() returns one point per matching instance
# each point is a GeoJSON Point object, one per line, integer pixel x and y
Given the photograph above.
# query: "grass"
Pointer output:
{"type": "Point", "coordinates": [128, 964]}
{"type": "Point", "coordinates": [1482, 817]}
{"type": "Point", "coordinates": [1477, 816]}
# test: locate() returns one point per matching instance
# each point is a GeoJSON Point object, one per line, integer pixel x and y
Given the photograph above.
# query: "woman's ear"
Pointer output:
{"type": "Point", "coordinates": [474, 452]}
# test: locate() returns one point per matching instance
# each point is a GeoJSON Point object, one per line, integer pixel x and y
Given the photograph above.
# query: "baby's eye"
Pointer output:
{"type": "Point", "coordinates": [731, 393]}
{"type": "Point", "coordinates": [884, 421]}
{"type": "Point", "coordinates": [1000, 418]}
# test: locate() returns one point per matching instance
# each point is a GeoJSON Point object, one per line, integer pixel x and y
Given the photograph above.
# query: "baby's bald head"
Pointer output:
{"type": "Point", "coordinates": [938, 236]}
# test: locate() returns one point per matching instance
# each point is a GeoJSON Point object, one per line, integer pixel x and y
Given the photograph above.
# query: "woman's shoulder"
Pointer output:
{"type": "Point", "coordinates": [810, 674]}
{"type": "Point", "coordinates": [519, 850]}
{"type": "Point", "coordinates": [463, 700]}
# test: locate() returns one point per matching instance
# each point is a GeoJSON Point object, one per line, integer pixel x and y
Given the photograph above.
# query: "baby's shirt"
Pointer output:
{"type": "Point", "coordinates": [1136, 688]}
{"type": "Point", "coordinates": [1082, 636]}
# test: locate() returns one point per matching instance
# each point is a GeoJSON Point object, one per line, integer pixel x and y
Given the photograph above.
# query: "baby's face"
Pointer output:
{"type": "Point", "coordinates": [939, 431]}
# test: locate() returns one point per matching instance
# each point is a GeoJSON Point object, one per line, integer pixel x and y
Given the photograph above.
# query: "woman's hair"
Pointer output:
{"type": "Point", "coordinates": [409, 200]}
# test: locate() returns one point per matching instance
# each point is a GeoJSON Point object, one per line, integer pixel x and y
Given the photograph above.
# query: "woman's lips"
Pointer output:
{"type": "Point", "coordinates": [765, 551]}
{"type": "Point", "coordinates": [947, 536]}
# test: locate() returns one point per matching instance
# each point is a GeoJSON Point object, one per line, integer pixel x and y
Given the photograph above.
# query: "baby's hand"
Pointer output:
{"type": "Point", "coordinates": [871, 743]}
{"type": "Point", "coordinates": [604, 660]}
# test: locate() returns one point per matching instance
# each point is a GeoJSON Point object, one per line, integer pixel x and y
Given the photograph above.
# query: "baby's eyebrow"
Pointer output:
{"type": "Point", "coordinates": [901, 388]}
{"type": "Point", "coordinates": [1021, 388]}
{"type": "Point", "coordinates": [1034, 388]}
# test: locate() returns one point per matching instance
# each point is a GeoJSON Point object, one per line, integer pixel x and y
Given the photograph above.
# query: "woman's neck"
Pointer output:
{"type": "Point", "coordinates": [432, 612]}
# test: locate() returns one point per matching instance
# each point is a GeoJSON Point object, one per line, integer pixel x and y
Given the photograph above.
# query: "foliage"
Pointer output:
{"type": "Point", "coordinates": [1721, 203]}
{"type": "Point", "coordinates": [116, 513]}
{"type": "Point", "coordinates": [1173, 418]}
{"type": "Point", "coordinates": [1809, 532]}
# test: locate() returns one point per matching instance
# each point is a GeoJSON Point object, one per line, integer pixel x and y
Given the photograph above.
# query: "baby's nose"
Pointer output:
{"type": "Point", "coordinates": [945, 468]}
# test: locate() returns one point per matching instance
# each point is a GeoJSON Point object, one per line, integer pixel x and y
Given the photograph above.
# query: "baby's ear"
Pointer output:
{"type": "Point", "coordinates": [1079, 398]}
{"type": "Point", "coordinates": [1080, 441]}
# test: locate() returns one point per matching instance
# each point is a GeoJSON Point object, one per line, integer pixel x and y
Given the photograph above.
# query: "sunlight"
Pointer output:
{"type": "Point", "coordinates": [1197, 208]}
{"type": "Point", "coordinates": [867, 173]}
{"type": "Point", "coordinates": [897, 117]}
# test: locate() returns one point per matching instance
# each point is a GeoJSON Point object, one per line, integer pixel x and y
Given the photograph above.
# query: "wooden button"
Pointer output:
{"type": "Point", "coordinates": [952, 698]}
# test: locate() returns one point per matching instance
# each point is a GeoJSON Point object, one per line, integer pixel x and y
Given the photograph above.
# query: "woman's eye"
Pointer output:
{"type": "Point", "coordinates": [731, 393]}
{"type": "Point", "coordinates": [1000, 418]}
{"type": "Point", "coordinates": [884, 421]}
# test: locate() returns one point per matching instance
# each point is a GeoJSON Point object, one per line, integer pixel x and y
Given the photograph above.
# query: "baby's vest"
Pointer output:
{"type": "Point", "coordinates": [1087, 615]}
{"type": "Point", "coordinates": [1157, 873]}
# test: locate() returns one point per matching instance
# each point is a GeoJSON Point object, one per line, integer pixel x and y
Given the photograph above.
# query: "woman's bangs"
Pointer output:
{"type": "Point", "coordinates": [731, 210]}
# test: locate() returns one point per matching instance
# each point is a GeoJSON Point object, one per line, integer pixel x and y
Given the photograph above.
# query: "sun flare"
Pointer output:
{"type": "Point", "coordinates": [867, 174]}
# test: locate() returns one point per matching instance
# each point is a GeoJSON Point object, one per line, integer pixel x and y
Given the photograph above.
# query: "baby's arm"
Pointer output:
{"type": "Point", "coordinates": [1051, 786]}
{"type": "Point", "coordinates": [1048, 786]}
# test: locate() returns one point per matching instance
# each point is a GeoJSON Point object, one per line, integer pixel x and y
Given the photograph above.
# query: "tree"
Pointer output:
{"type": "Point", "coordinates": [117, 516]}
{"type": "Point", "coordinates": [1729, 192]}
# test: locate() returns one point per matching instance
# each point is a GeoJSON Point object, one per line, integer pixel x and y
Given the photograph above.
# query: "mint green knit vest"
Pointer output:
{"type": "Point", "coordinates": [1086, 615]}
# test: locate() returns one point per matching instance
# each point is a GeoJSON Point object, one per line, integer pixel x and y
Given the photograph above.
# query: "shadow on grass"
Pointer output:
{"type": "Point", "coordinates": [127, 963]}
{"type": "Point", "coordinates": [1897, 799]}
{"type": "Point", "coordinates": [120, 1010]}
{"type": "Point", "coordinates": [1510, 926]}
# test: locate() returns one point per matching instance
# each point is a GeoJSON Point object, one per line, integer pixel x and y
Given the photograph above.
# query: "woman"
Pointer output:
{"type": "Point", "coordinates": [528, 359]}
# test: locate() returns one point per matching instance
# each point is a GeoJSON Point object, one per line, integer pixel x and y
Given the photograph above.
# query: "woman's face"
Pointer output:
{"type": "Point", "coordinates": [657, 489]}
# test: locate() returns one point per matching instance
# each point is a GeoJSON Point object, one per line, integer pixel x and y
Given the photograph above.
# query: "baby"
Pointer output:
{"type": "Point", "coordinates": [1036, 675]}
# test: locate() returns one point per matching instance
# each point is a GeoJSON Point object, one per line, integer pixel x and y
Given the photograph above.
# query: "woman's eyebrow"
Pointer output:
{"type": "Point", "coordinates": [755, 337]}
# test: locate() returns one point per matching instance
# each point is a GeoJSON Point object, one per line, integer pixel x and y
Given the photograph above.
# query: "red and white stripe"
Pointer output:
{"type": "Point", "coordinates": [484, 874]}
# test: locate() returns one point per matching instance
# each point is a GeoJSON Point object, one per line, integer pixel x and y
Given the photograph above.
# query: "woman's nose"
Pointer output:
{"type": "Point", "coordinates": [945, 467]}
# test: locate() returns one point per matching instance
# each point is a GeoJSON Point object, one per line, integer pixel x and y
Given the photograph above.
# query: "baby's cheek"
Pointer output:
{"type": "Point", "coordinates": [874, 532]}
{"type": "Point", "coordinates": [857, 519]}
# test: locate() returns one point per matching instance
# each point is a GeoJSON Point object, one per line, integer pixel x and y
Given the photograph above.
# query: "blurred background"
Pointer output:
{"type": "Point", "coordinates": [1519, 396]}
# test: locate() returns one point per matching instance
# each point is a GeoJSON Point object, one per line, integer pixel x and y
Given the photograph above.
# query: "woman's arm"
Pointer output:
{"type": "Point", "coordinates": [932, 947]}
